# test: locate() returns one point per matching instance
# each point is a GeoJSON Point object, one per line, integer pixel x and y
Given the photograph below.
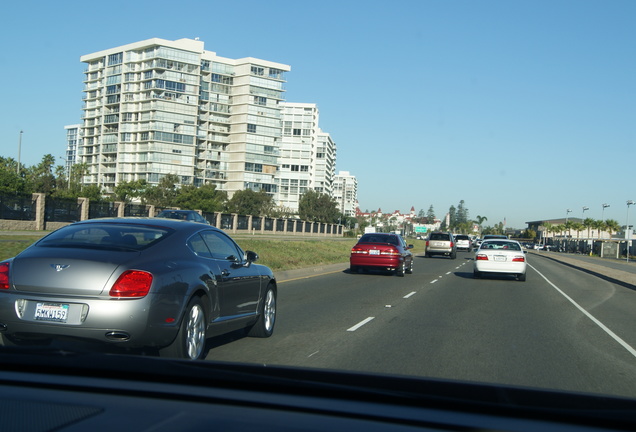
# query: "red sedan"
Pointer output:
{"type": "Point", "coordinates": [382, 251]}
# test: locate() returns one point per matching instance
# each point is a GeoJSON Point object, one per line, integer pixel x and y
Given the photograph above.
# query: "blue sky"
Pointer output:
{"type": "Point", "coordinates": [523, 109]}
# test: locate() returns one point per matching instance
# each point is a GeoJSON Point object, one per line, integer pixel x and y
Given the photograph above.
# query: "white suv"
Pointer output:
{"type": "Point", "coordinates": [463, 242]}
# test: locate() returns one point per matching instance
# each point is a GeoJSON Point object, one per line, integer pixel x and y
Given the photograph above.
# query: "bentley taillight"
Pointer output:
{"type": "Point", "coordinates": [132, 283]}
{"type": "Point", "coordinates": [4, 275]}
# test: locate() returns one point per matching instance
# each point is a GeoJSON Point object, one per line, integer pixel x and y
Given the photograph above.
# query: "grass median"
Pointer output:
{"type": "Point", "coordinates": [276, 254]}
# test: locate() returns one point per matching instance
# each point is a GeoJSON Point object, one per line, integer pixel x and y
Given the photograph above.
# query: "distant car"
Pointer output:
{"type": "Point", "coordinates": [148, 283]}
{"type": "Point", "coordinates": [382, 251]}
{"type": "Point", "coordinates": [188, 215]}
{"type": "Point", "coordinates": [502, 257]}
{"type": "Point", "coordinates": [463, 242]}
{"type": "Point", "coordinates": [441, 243]}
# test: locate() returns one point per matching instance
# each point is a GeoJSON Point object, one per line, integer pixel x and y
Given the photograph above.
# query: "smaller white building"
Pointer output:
{"type": "Point", "coordinates": [345, 193]}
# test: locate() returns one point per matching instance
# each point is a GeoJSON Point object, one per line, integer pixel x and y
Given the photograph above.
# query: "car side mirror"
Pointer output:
{"type": "Point", "coordinates": [410, 246]}
{"type": "Point", "coordinates": [250, 256]}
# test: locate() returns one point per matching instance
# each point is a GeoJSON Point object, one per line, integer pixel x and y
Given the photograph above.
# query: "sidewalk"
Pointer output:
{"type": "Point", "coordinates": [613, 270]}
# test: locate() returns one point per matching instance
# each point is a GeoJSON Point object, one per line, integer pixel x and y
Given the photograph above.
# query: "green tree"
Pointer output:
{"type": "Point", "coordinates": [529, 234]}
{"type": "Point", "coordinates": [164, 194]}
{"type": "Point", "coordinates": [588, 223]}
{"type": "Point", "coordinates": [92, 192]}
{"type": "Point", "coordinates": [206, 198]}
{"type": "Point", "coordinates": [41, 176]}
{"type": "Point", "coordinates": [317, 207]}
{"type": "Point", "coordinates": [430, 215]}
{"type": "Point", "coordinates": [612, 226]}
{"type": "Point", "coordinates": [462, 213]}
{"type": "Point", "coordinates": [452, 217]}
{"type": "Point", "coordinates": [578, 227]}
{"type": "Point", "coordinates": [127, 190]}
{"type": "Point", "coordinates": [10, 181]}
{"type": "Point", "coordinates": [599, 226]}
{"type": "Point", "coordinates": [249, 202]}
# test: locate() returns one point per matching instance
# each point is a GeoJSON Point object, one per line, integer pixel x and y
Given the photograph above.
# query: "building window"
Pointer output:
{"type": "Point", "coordinates": [260, 100]}
{"type": "Point", "coordinates": [296, 132]}
{"type": "Point", "coordinates": [251, 128]}
{"type": "Point", "coordinates": [115, 59]}
{"type": "Point", "coordinates": [258, 71]}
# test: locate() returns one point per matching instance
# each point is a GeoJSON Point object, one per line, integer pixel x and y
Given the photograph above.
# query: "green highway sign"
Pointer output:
{"type": "Point", "coordinates": [420, 229]}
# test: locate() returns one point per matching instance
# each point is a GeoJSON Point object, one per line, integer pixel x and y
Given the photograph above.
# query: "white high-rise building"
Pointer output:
{"type": "Point", "coordinates": [307, 155]}
{"type": "Point", "coordinates": [345, 193]}
{"type": "Point", "coordinates": [73, 142]}
{"type": "Point", "coordinates": [159, 107]}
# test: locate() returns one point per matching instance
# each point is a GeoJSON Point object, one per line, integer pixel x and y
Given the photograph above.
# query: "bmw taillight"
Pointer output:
{"type": "Point", "coordinates": [132, 283]}
{"type": "Point", "coordinates": [4, 275]}
{"type": "Point", "coordinates": [481, 257]}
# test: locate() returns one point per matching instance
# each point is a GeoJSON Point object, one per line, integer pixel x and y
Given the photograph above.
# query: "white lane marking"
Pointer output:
{"type": "Point", "coordinates": [409, 294]}
{"type": "Point", "coordinates": [360, 324]}
{"type": "Point", "coordinates": [613, 335]}
{"type": "Point", "coordinates": [448, 273]}
{"type": "Point", "coordinates": [433, 281]}
{"type": "Point", "coordinates": [313, 353]}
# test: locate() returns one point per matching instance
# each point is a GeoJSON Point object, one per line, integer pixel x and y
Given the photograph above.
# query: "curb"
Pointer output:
{"type": "Point", "coordinates": [619, 277]}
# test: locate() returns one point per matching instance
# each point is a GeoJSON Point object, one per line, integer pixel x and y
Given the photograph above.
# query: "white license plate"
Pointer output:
{"type": "Point", "coordinates": [438, 244]}
{"type": "Point", "coordinates": [56, 312]}
{"type": "Point", "coordinates": [500, 258]}
{"type": "Point", "coordinates": [374, 252]}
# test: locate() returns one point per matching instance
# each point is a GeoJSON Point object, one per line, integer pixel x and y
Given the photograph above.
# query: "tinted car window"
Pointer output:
{"type": "Point", "coordinates": [100, 236]}
{"type": "Point", "coordinates": [199, 247]}
{"type": "Point", "coordinates": [439, 236]}
{"type": "Point", "coordinates": [221, 247]}
{"type": "Point", "coordinates": [501, 245]}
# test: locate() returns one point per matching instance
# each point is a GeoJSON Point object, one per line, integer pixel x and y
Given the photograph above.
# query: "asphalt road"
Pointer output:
{"type": "Point", "coordinates": [561, 329]}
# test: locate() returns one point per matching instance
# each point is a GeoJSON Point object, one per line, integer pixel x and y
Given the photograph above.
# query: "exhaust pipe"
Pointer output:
{"type": "Point", "coordinates": [117, 336]}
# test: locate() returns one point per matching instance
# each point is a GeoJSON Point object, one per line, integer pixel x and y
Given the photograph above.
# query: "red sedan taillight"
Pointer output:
{"type": "Point", "coordinates": [481, 257]}
{"type": "Point", "coordinates": [132, 283]}
{"type": "Point", "coordinates": [391, 252]}
{"type": "Point", "coordinates": [4, 275]}
{"type": "Point", "coordinates": [359, 250]}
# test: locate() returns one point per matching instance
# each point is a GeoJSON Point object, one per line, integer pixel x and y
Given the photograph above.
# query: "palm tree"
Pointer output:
{"type": "Point", "coordinates": [598, 225]}
{"type": "Point", "coordinates": [480, 219]}
{"type": "Point", "coordinates": [578, 227]}
{"type": "Point", "coordinates": [612, 226]}
{"type": "Point", "coordinates": [547, 228]}
{"type": "Point", "coordinates": [588, 223]}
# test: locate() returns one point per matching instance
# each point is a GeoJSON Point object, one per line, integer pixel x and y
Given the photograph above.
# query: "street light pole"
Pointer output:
{"type": "Point", "coordinates": [628, 232]}
{"type": "Point", "coordinates": [603, 213]}
{"type": "Point", "coordinates": [19, 150]}
{"type": "Point", "coordinates": [583, 213]}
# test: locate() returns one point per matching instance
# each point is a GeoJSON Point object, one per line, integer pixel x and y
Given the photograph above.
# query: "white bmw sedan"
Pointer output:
{"type": "Point", "coordinates": [500, 256]}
